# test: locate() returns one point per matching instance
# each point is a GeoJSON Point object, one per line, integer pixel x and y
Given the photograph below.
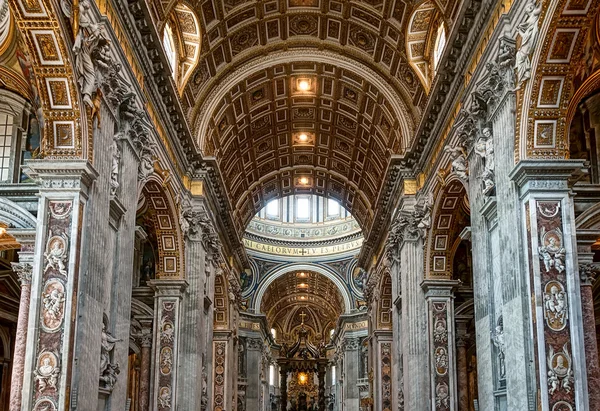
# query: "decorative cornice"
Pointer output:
{"type": "Point", "coordinates": [544, 175]}
{"type": "Point", "coordinates": [61, 175]}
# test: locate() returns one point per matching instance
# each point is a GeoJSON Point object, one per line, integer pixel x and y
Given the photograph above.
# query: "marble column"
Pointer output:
{"type": "Point", "coordinates": [439, 295]}
{"type": "Point", "coordinates": [253, 367]}
{"type": "Point", "coordinates": [23, 270]}
{"type": "Point", "coordinates": [321, 376]}
{"type": "Point", "coordinates": [414, 345]}
{"type": "Point", "coordinates": [193, 347]}
{"type": "Point", "coordinates": [167, 306]}
{"type": "Point", "coordinates": [351, 394]}
{"type": "Point", "coordinates": [145, 372]}
{"type": "Point", "coordinates": [283, 374]}
{"type": "Point", "coordinates": [49, 358]}
{"type": "Point", "coordinates": [462, 378]}
{"type": "Point", "coordinates": [554, 288]}
{"type": "Point", "coordinates": [588, 272]}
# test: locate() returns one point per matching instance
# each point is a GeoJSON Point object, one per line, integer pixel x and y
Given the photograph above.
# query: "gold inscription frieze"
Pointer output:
{"type": "Point", "coordinates": [302, 251]}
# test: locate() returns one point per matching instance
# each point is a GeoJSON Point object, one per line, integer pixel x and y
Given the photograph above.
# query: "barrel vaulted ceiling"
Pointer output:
{"type": "Point", "coordinates": [312, 293]}
{"type": "Point", "coordinates": [246, 105]}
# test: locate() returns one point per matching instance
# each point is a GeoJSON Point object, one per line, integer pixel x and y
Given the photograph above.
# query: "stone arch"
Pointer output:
{"type": "Point", "coordinates": [556, 60]}
{"type": "Point", "coordinates": [47, 66]}
{"type": "Point", "coordinates": [447, 221]}
{"type": "Point", "coordinates": [330, 274]}
{"type": "Point", "coordinates": [15, 216]}
{"type": "Point", "coordinates": [156, 200]}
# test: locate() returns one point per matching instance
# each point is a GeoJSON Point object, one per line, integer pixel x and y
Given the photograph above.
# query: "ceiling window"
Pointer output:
{"type": "Point", "coordinates": [302, 208]}
{"type": "Point", "coordinates": [273, 208]}
{"type": "Point", "coordinates": [333, 207]}
{"type": "Point", "coordinates": [274, 333]}
{"type": "Point", "coordinates": [333, 375]}
{"type": "Point", "coordinates": [169, 47]}
{"type": "Point", "coordinates": [440, 43]}
{"type": "Point", "coordinates": [271, 375]}
{"type": "Point", "coordinates": [6, 143]}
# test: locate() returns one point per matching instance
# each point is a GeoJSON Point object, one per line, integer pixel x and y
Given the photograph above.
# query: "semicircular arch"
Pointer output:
{"type": "Point", "coordinates": [330, 274]}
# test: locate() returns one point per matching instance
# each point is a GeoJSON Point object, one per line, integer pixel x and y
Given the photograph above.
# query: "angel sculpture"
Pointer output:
{"type": "Point", "coordinates": [56, 254]}
{"type": "Point", "coordinates": [460, 167]}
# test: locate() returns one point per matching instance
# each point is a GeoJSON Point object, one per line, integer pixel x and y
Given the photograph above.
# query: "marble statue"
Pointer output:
{"type": "Point", "coordinates": [528, 30]}
{"type": "Point", "coordinates": [498, 340]}
{"type": "Point", "coordinates": [114, 170]}
{"type": "Point", "coordinates": [485, 149]}
{"type": "Point", "coordinates": [108, 370]}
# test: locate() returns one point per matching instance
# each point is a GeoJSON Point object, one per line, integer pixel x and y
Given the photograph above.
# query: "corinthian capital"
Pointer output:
{"type": "Point", "coordinates": [588, 273]}
{"type": "Point", "coordinates": [23, 271]}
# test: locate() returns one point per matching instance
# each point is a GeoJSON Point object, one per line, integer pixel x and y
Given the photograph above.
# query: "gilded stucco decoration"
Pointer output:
{"type": "Point", "coordinates": [160, 208]}
{"type": "Point", "coordinates": [449, 218]}
{"type": "Point", "coordinates": [50, 71]}
{"type": "Point", "coordinates": [560, 61]}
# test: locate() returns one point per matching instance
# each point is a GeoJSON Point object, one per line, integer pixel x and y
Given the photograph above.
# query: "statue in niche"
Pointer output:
{"type": "Point", "coordinates": [242, 357]}
{"type": "Point", "coordinates": [364, 360]}
{"type": "Point", "coordinates": [485, 149]}
{"type": "Point", "coordinates": [528, 30]}
{"type": "Point", "coordinates": [204, 398]}
{"type": "Point", "coordinates": [498, 339]}
{"type": "Point", "coordinates": [108, 369]}
{"type": "Point", "coordinates": [114, 169]}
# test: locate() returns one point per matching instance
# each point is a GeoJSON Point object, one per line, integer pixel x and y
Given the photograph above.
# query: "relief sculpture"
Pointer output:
{"type": "Point", "coordinates": [53, 300]}
{"type": "Point", "coordinates": [555, 305]}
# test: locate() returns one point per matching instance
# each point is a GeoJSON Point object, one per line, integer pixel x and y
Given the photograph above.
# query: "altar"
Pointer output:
{"type": "Point", "coordinates": [306, 363]}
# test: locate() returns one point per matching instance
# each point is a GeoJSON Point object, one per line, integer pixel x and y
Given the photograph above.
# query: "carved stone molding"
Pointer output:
{"type": "Point", "coordinates": [351, 344]}
{"type": "Point", "coordinates": [254, 344]}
